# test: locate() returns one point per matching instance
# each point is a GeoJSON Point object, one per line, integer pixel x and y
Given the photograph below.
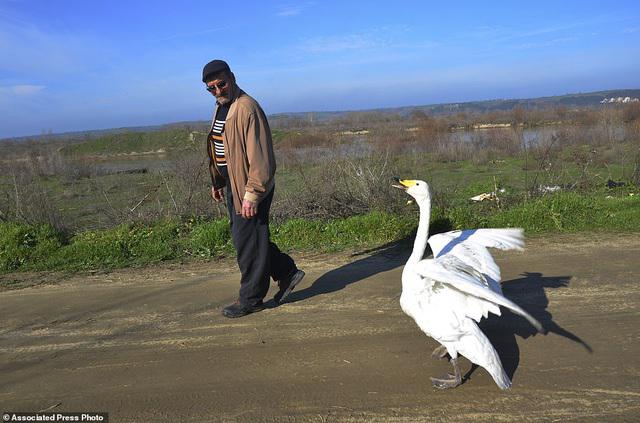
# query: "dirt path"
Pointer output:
{"type": "Point", "coordinates": [150, 345]}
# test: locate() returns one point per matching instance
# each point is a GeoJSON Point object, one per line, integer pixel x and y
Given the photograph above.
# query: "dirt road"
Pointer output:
{"type": "Point", "coordinates": [150, 345]}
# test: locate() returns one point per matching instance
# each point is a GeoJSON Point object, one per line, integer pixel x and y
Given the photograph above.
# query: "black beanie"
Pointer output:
{"type": "Point", "coordinates": [213, 67]}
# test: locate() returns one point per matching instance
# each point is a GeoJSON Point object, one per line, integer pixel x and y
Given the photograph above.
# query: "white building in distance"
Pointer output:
{"type": "Point", "coordinates": [620, 100]}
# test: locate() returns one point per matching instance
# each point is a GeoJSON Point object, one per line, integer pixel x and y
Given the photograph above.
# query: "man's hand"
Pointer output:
{"type": "Point", "coordinates": [249, 209]}
{"type": "Point", "coordinates": [217, 194]}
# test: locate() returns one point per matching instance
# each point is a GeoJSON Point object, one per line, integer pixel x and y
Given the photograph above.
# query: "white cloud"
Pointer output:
{"type": "Point", "coordinates": [382, 38]}
{"type": "Point", "coordinates": [20, 90]}
{"type": "Point", "coordinates": [340, 43]}
{"type": "Point", "coordinates": [287, 11]}
{"type": "Point", "coordinates": [555, 41]}
{"type": "Point", "coordinates": [24, 90]}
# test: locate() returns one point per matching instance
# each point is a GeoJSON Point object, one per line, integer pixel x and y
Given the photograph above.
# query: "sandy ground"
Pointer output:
{"type": "Point", "coordinates": [150, 345]}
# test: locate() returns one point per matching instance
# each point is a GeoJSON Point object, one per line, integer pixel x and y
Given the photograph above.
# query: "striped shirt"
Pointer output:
{"type": "Point", "coordinates": [216, 146]}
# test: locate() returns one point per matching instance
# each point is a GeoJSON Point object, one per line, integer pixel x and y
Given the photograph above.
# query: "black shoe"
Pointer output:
{"type": "Point", "coordinates": [238, 310]}
{"type": "Point", "coordinates": [287, 285]}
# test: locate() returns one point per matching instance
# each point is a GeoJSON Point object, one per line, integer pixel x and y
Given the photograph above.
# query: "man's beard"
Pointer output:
{"type": "Point", "coordinates": [227, 97]}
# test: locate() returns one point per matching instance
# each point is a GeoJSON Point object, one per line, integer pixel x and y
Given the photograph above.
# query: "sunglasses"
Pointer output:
{"type": "Point", "coordinates": [220, 86]}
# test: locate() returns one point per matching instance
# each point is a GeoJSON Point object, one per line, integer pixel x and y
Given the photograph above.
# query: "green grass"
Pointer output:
{"type": "Point", "coordinates": [375, 228]}
{"type": "Point", "coordinates": [210, 239]}
{"type": "Point", "coordinates": [560, 212]}
{"type": "Point", "coordinates": [169, 140]}
{"type": "Point", "coordinates": [572, 212]}
{"type": "Point", "coordinates": [126, 245]}
{"type": "Point", "coordinates": [129, 142]}
{"type": "Point", "coordinates": [37, 248]}
{"type": "Point", "coordinates": [42, 248]}
{"type": "Point", "coordinates": [23, 246]}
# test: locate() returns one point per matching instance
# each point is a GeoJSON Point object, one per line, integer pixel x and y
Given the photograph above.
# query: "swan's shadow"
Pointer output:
{"type": "Point", "coordinates": [528, 292]}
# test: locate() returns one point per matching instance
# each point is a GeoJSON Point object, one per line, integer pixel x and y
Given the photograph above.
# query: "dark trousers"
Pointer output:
{"type": "Point", "coordinates": [258, 257]}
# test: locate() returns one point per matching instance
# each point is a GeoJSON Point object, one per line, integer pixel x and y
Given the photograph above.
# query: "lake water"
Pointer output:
{"type": "Point", "coordinates": [544, 134]}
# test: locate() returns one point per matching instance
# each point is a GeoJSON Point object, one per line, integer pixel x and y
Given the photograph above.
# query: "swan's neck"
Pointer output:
{"type": "Point", "coordinates": [420, 243]}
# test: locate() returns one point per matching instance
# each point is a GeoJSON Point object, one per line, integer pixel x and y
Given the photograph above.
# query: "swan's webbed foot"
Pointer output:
{"type": "Point", "coordinates": [439, 353]}
{"type": "Point", "coordinates": [450, 380]}
{"type": "Point", "coordinates": [445, 382]}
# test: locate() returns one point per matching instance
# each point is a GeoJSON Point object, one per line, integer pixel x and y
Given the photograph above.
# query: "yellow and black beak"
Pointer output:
{"type": "Point", "coordinates": [403, 184]}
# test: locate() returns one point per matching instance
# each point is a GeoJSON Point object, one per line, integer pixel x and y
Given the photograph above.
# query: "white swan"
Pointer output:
{"type": "Point", "coordinates": [448, 294]}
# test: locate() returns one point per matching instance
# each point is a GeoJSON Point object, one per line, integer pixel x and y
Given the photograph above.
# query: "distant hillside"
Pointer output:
{"type": "Point", "coordinates": [79, 136]}
{"type": "Point", "coordinates": [579, 100]}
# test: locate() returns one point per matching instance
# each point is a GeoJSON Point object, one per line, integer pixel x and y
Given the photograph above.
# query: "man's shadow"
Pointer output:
{"type": "Point", "coordinates": [528, 292]}
{"type": "Point", "coordinates": [387, 257]}
{"type": "Point", "coordinates": [382, 259]}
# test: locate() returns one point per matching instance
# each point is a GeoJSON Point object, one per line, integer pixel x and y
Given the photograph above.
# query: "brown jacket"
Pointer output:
{"type": "Point", "coordinates": [248, 149]}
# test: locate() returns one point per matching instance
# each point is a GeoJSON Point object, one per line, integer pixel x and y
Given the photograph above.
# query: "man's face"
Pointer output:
{"type": "Point", "coordinates": [222, 88]}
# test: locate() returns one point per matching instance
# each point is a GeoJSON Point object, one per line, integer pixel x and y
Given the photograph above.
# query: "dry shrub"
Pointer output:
{"type": "Point", "coordinates": [572, 135]}
{"type": "Point", "coordinates": [635, 176]}
{"type": "Point", "coordinates": [631, 113]}
{"type": "Point", "coordinates": [509, 144]}
{"type": "Point", "coordinates": [500, 142]}
{"type": "Point", "coordinates": [428, 125]}
{"type": "Point", "coordinates": [50, 163]}
{"type": "Point", "coordinates": [364, 119]}
{"type": "Point", "coordinates": [585, 117]}
{"type": "Point", "coordinates": [633, 133]}
{"type": "Point", "coordinates": [392, 140]}
{"type": "Point", "coordinates": [297, 140]}
{"type": "Point", "coordinates": [518, 115]}
{"type": "Point", "coordinates": [189, 185]}
{"type": "Point", "coordinates": [294, 147]}
{"type": "Point", "coordinates": [547, 145]}
{"type": "Point", "coordinates": [181, 190]}
{"type": "Point", "coordinates": [482, 157]}
{"type": "Point", "coordinates": [25, 198]}
{"type": "Point", "coordinates": [543, 160]}
{"type": "Point", "coordinates": [349, 187]}
{"type": "Point", "coordinates": [453, 150]}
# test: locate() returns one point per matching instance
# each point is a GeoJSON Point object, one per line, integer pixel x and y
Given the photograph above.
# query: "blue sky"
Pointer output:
{"type": "Point", "coordinates": [68, 65]}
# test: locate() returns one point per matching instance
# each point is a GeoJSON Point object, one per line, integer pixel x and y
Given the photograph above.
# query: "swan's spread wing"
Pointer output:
{"type": "Point", "coordinates": [503, 239]}
{"type": "Point", "coordinates": [470, 247]}
{"type": "Point", "coordinates": [456, 274]}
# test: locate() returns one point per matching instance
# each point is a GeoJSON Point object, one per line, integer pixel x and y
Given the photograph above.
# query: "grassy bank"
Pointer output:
{"type": "Point", "coordinates": [37, 248]}
{"type": "Point", "coordinates": [130, 142]}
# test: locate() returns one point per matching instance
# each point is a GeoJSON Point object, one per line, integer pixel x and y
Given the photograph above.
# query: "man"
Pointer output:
{"type": "Point", "coordinates": [242, 162]}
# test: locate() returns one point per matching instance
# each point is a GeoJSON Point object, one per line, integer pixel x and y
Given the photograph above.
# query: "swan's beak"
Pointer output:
{"type": "Point", "coordinates": [403, 184]}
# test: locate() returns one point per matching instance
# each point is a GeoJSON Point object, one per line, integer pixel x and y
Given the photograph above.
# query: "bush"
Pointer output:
{"type": "Point", "coordinates": [24, 246]}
